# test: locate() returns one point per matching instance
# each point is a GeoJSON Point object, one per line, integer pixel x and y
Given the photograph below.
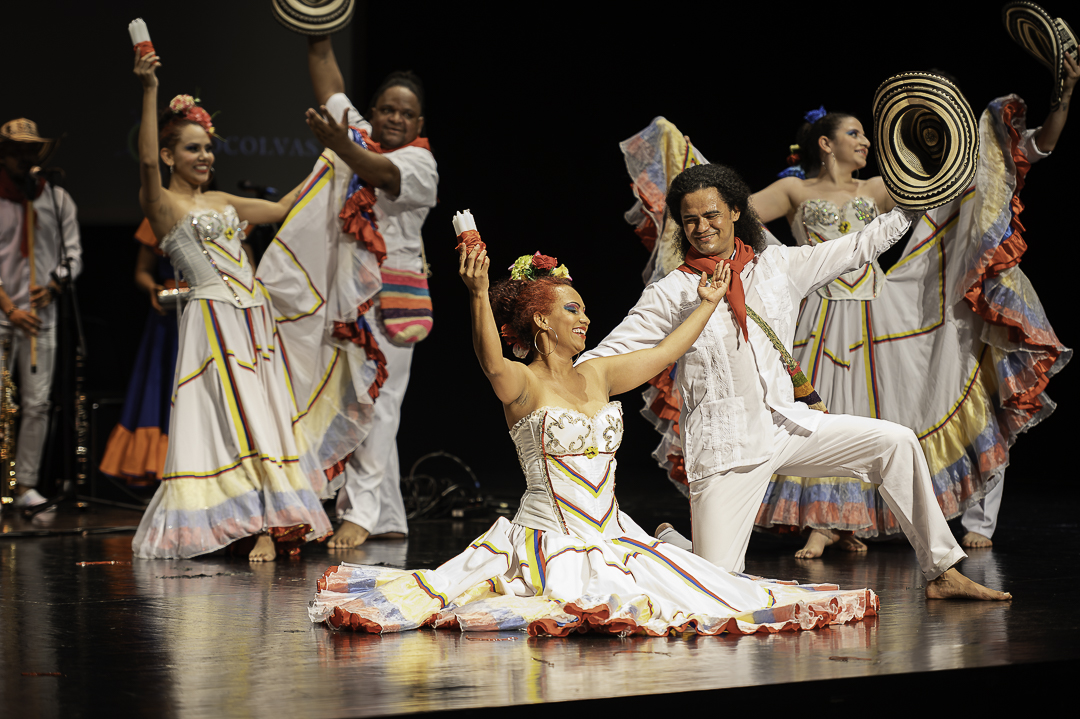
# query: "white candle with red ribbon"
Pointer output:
{"type": "Point", "coordinates": [465, 229]}
{"type": "Point", "coordinates": [140, 37]}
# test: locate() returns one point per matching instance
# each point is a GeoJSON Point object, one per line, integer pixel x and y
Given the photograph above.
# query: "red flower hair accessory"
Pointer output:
{"type": "Point", "coordinates": [519, 348]}
{"type": "Point", "coordinates": [529, 267]}
{"type": "Point", "coordinates": [186, 107]}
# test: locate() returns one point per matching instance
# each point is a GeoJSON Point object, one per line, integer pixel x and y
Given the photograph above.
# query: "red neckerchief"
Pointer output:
{"type": "Point", "coordinates": [696, 263]}
{"type": "Point", "coordinates": [11, 190]}
{"type": "Point", "coordinates": [365, 229]}
{"type": "Point", "coordinates": [421, 142]}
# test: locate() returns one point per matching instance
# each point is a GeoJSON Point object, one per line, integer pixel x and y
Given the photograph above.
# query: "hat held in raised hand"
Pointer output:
{"type": "Point", "coordinates": [927, 139]}
{"type": "Point", "coordinates": [1047, 39]}
{"type": "Point", "coordinates": [314, 17]}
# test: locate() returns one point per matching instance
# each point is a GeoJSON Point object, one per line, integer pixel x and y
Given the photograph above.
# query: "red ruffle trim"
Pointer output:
{"type": "Point", "coordinates": [337, 468]}
{"type": "Point", "coordinates": [646, 229]}
{"type": "Point", "coordinates": [666, 405]}
{"type": "Point", "coordinates": [364, 229]}
{"type": "Point", "coordinates": [351, 332]}
{"type": "Point", "coordinates": [1006, 255]}
{"type": "Point", "coordinates": [785, 619]}
{"type": "Point", "coordinates": [789, 618]}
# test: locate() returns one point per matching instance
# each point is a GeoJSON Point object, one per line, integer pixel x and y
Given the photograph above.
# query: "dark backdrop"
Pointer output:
{"type": "Point", "coordinates": [526, 106]}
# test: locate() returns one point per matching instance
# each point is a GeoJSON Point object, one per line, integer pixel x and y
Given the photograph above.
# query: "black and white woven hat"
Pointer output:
{"type": "Point", "coordinates": [1047, 39]}
{"type": "Point", "coordinates": [927, 139]}
{"type": "Point", "coordinates": [314, 17]}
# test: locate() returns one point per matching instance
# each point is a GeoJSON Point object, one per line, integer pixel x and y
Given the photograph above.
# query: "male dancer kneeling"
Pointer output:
{"type": "Point", "coordinates": [740, 421]}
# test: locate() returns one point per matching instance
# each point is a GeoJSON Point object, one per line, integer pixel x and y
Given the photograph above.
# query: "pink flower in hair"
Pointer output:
{"type": "Point", "coordinates": [181, 103]}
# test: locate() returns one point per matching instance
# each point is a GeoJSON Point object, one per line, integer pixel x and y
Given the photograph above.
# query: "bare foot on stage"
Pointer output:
{"type": "Point", "coordinates": [263, 551]}
{"type": "Point", "coordinates": [821, 538]}
{"type": "Point", "coordinates": [974, 540]}
{"type": "Point", "coordinates": [850, 543]}
{"type": "Point", "coordinates": [347, 536]}
{"type": "Point", "coordinates": [954, 585]}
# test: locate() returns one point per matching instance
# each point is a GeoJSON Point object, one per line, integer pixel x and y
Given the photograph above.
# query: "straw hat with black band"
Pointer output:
{"type": "Point", "coordinates": [1047, 39]}
{"type": "Point", "coordinates": [26, 131]}
{"type": "Point", "coordinates": [314, 17]}
{"type": "Point", "coordinates": [927, 140]}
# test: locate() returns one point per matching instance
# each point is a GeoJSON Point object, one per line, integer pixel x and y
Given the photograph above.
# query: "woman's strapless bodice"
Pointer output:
{"type": "Point", "coordinates": [205, 248]}
{"type": "Point", "coordinates": [821, 220]}
{"type": "Point", "coordinates": [568, 459]}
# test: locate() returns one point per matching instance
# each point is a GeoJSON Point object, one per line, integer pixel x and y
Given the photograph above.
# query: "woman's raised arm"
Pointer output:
{"type": "Point", "coordinates": [151, 191]}
{"type": "Point", "coordinates": [627, 371]}
{"type": "Point", "coordinates": [263, 212]}
{"type": "Point", "coordinates": [775, 200]}
{"type": "Point", "coordinates": [507, 378]}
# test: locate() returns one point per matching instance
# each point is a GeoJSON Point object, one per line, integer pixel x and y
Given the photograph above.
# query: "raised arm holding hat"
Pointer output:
{"type": "Point", "coordinates": [392, 189]}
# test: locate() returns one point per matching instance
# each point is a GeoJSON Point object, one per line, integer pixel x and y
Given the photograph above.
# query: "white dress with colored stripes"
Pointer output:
{"type": "Point", "coordinates": [232, 468]}
{"type": "Point", "coordinates": [572, 561]}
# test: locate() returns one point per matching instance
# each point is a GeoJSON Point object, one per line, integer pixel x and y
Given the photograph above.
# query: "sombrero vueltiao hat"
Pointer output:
{"type": "Point", "coordinates": [23, 130]}
{"type": "Point", "coordinates": [1047, 39]}
{"type": "Point", "coordinates": [927, 140]}
{"type": "Point", "coordinates": [314, 17]}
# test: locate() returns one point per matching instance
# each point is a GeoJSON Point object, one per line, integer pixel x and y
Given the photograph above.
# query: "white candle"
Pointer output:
{"type": "Point", "coordinates": [138, 31]}
{"type": "Point", "coordinates": [463, 221]}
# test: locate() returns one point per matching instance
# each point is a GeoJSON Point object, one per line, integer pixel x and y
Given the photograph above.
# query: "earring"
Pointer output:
{"type": "Point", "coordinates": [537, 335]}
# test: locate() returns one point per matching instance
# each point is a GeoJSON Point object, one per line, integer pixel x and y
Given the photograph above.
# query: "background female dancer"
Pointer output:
{"type": "Point", "coordinates": [232, 467]}
{"type": "Point", "coordinates": [872, 346]}
{"type": "Point", "coordinates": [571, 559]}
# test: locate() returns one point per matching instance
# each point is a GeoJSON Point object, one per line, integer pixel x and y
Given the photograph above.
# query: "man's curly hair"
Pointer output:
{"type": "Point", "coordinates": [733, 191]}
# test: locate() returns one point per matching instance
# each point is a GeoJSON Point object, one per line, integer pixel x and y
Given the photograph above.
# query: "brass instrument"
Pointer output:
{"type": "Point", "coordinates": [82, 424]}
{"type": "Point", "coordinates": [8, 412]}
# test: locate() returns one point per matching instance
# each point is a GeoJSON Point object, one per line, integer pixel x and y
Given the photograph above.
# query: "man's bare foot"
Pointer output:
{"type": "Point", "coordinates": [954, 585]}
{"type": "Point", "coordinates": [974, 540]}
{"type": "Point", "coordinates": [661, 529]}
{"type": "Point", "coordinates": [347, 536]}
{"type": "Point", "coordinates": [263, 551]}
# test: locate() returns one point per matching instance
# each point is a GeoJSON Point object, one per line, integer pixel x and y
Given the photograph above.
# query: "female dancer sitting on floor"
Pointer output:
{"type": "Point", "coordinates": [571, 561]}
{"type": "Point", "coordinates": [231, 470]}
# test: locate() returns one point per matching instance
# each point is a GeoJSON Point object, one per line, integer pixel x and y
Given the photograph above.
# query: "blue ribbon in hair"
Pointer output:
{"type": "Point", "coordinates": [815, 115]}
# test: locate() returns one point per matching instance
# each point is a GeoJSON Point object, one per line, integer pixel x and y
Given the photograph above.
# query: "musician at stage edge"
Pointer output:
{"type": "Point", "coordinates": [35, 218]}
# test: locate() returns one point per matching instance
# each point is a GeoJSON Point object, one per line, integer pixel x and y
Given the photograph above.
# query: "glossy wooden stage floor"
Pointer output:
{"type": "Point", "coordinates": [218, 636]}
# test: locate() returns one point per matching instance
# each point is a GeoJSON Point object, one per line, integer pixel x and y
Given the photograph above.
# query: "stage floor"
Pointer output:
{"type": "Point", "coordinates": [218, 636]}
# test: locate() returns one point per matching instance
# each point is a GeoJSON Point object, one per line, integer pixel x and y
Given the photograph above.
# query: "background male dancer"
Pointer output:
{"type": "Point", "coordinates": [405, 178]}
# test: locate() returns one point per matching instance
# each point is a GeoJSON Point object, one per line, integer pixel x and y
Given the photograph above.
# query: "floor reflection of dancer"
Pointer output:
{"type": "Point", "coordinates": [571, 559]}
{"type": "Point", "coordinates": [29, 222]}
{"type": "Point", "coordinates": [740, 420]}
{"type": "Point", "coordinates": [400, 168]}
{"type": "Point", "coordinates": [961, 414]}
{"type": "Point", "coordinates": [232, 470]}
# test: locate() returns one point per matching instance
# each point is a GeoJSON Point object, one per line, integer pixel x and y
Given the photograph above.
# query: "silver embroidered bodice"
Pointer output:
{"type": "Point", "coordinates": [205, 248]}
{"type": "Point", "coordinates": [821, 220]}
{"type": "Point", "coordinates": [568, 459]}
